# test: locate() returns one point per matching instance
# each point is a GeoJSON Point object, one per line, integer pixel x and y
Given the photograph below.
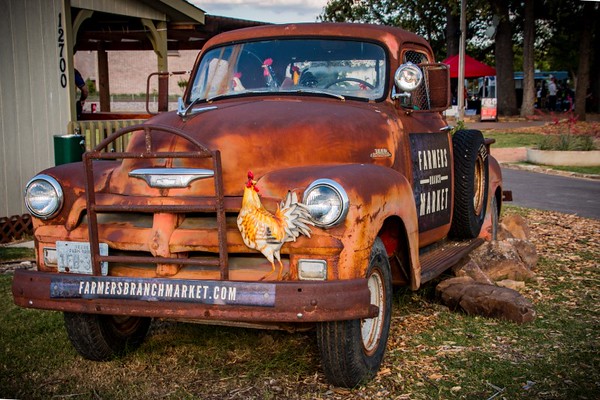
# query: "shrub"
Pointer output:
{"type": "Point", "coordinates": [566, 142]}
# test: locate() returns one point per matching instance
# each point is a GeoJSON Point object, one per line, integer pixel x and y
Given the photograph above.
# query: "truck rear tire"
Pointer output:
{"type": "Point", "coordinates": [104, 337]}
{"type": "Point", "coordinates": [352, 351]}
{"type": "Point", "coordinates": [471, 175]}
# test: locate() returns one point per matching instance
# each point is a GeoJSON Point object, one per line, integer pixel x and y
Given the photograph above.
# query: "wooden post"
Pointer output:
{"type": "Point", "coordinates": [163, 93]}
{"type": "Point", "coordinates": [158, 37]}
{"type": "Point", "coordinates": [103, 80]}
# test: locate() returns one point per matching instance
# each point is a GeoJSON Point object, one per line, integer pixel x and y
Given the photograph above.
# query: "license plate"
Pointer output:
{"type": "Point", "coordinates": [75, 257]}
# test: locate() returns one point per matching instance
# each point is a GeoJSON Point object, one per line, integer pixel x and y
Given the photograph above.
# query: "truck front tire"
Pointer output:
{"type": "Point", "coordinates": [352, 351]}
{"type": "Point", "coordinates": [103, 337]}
{"type": "Point", "coordinates": [471, 176]}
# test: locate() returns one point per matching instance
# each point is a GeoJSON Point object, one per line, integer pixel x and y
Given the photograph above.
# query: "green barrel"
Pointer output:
{"type": "Point", "coordinates": [68, 148]}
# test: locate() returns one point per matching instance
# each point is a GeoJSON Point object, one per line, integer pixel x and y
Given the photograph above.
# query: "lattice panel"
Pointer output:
{"type": "Point", "coordinates": [13, 228]}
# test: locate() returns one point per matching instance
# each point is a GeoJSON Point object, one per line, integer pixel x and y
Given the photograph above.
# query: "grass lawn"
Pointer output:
{"type": "Point", "coordinates": [433, 353]}
{"type": "Point", "coordinates": [514, 139]}
{"type": "Point", "coordinates": [16, 253]}
{"type": "Point", "coordinates": [582, 170]}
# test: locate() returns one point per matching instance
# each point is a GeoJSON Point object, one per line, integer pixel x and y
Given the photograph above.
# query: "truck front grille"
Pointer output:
{"type": "Point", "coordinates": [165, 215]}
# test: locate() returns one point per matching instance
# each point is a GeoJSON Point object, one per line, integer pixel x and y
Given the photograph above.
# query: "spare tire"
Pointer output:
{"type": "Point", "coordinates": [471, 174]}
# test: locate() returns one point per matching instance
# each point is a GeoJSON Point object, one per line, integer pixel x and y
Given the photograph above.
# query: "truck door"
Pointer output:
{"type": "Point", "coordinates": [429, 152]}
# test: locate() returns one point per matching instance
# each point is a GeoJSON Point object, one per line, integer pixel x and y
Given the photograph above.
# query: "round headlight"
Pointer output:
{"type": "Point", "coordinates": [408, 77]}
{"type": "Point", "coordinates": [43, 196]}
{"type": "Point", "coordinates": [327, 202]}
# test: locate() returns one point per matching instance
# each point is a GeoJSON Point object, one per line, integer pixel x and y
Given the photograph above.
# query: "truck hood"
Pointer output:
{"type": "Point", "coordinates": [264, 135]}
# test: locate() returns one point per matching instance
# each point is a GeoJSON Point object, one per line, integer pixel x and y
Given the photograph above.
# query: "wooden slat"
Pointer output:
{"type": "Point", "coordinates": [95, 131]}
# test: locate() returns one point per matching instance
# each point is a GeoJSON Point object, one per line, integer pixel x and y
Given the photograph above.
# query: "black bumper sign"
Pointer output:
{"type": "Point", "coordinates": [205, 292]}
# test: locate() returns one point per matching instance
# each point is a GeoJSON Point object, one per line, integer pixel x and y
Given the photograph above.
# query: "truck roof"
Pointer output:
{"type": "Point", "coordinates": [394, 38]}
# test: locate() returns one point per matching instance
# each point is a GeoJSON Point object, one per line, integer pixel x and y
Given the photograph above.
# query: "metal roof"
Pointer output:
{"type": "Point", "coordinates": [188, 27]}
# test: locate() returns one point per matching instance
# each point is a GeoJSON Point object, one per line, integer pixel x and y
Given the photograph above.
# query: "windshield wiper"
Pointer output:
{"type": "Point", "coordinates": [275, 92]}
{"type": "Point", "coordinates": [317, 91]}
{"type": "Point", "coordinates": [240, 93]}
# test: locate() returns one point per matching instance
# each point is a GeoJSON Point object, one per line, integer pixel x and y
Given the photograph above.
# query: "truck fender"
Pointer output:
{"type": "Point", "coordinates": [495, 192]}
{"type": "Point", "coordinates": [376, 193]}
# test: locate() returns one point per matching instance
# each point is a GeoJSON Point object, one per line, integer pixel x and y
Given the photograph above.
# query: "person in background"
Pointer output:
{"type": "Point", "coordinates": [80, 83]}
{"type": "Point", "coordinates": [552, 90]}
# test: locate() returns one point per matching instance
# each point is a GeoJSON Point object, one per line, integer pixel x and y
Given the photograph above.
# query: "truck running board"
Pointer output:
{"type": "Point", "coordinates": [436, 261]}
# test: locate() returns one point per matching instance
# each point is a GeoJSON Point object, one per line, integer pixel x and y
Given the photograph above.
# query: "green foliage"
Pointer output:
{"type": "Point", "coordinates": [567, 142]}
{"type": "Point", "coordinates": [460, 125]}
{"type": "Point", "coordinates": [579, 170]}
{"type": "Point", "coordinates": [427, 19]}
{"type": "Point", "coordinates": [182, 83]}
{"type": "Point", "coordinates": [557, 26]}
{"type": "Point", "coordinates": [91, 85]}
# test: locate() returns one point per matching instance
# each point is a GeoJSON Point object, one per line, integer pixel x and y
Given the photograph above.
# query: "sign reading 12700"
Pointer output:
{"type": "Point", "coordinates": [430, 154]}
{"type": "Point", "coordinates": [62, 62]}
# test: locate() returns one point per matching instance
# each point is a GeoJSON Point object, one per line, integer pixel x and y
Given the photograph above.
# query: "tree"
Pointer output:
{"type": "Point", "coordinates": [595, 84]}
{"type": "Point", "coordinates": [585, 56]}
{"type": "Point", "coordinates": [552, 36]}
{"type": "Point", "coordinates": [452, 29]}
{"type": "Point", "coordinates": [527, 106]}
{"type": "Point", "coordinates": [427, 19]}
{"type": "Point", "coordinates": [505, 80]}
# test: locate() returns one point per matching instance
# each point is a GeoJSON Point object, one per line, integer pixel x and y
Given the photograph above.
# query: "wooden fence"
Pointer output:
{"type": "Point", "coordinates": [15, 227]}
{"type": "Point", "coordinates": [96, 131]}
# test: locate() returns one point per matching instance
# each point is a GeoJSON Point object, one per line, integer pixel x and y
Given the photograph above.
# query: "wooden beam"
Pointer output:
{"type": "Point", "coordinates": [103, 80]}
{"type": "Point", "coordinates": [82, 15]}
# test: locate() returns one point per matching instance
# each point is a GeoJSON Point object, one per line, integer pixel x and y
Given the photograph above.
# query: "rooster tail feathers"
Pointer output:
{"type": "Point", "coordinates": [290, 199]}
{"type": "Point", "coordinates": [295, 215]}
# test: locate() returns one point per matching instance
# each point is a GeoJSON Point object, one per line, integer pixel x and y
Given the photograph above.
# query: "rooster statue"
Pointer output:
{"type": "Point", "coordinates": [267, 232]}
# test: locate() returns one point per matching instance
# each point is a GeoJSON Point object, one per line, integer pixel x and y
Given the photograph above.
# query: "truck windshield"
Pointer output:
{"type": "Point", "coordinates": [347, 68]}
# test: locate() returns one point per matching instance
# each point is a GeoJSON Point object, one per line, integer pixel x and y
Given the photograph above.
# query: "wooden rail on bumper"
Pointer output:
{"type": "Point", "coordinates": [292, 301]}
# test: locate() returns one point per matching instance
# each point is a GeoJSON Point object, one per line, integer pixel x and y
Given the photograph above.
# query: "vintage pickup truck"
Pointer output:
{"type": "Point", "coordinates": [357, 184]}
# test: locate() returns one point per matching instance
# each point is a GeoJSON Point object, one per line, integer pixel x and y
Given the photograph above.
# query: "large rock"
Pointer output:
{"type": "Point", "coordinates": [471, 269]}
{"type": "Point", "coordinates": [486, 300]}
{"type": "Point", "coordinates": [513, 226]}
{"type": "Point", "coordinates": [526, 251]}
{"type": "Point", "coordinates": [508, 262]}
{"type": "Point", "coordinates": [501, 260]}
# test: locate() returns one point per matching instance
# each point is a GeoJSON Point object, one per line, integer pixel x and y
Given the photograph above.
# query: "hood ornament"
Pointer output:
{"type": "Point", "coordinates": [162, 178]}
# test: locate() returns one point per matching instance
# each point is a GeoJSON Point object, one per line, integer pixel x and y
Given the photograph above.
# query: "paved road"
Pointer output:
{"type": "Point", "coordinates": [551, 192]}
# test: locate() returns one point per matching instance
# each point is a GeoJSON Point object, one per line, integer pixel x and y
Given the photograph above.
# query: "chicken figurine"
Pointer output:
{"type": "Point", "coordinates": [267, 232]}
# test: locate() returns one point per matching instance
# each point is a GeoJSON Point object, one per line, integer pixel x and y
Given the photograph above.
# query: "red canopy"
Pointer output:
{"type": "Point", "coordinates": [473, 68]}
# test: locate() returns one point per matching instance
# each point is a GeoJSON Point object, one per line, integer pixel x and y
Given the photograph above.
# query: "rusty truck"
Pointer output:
{"type": "Point", "coordinates": [343, 129]}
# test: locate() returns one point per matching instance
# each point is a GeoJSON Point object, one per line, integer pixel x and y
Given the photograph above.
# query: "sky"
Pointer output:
{"type": "Point", "coordinates": [275, 11]}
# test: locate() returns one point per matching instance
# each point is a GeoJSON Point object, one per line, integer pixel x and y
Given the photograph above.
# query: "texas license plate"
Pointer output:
{"type": "Point", "coordinates": [75, 257]}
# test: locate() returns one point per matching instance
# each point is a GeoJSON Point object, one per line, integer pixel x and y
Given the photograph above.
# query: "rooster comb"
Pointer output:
{"type": "Point", "coordinates": [251, 183]}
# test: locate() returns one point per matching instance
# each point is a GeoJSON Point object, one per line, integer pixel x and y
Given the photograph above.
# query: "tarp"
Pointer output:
{"type": "Point", "coordinates": [473, 68]}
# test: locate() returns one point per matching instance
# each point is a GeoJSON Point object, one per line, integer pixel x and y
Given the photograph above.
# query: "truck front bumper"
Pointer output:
{"type": "Point", "coordinates": [281, 301]}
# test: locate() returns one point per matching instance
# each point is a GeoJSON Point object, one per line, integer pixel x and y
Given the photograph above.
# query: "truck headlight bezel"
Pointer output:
{"type": "Point", "coordinates": [327, 202]}
{"type": "Point", "coordinates": [43, 196]}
